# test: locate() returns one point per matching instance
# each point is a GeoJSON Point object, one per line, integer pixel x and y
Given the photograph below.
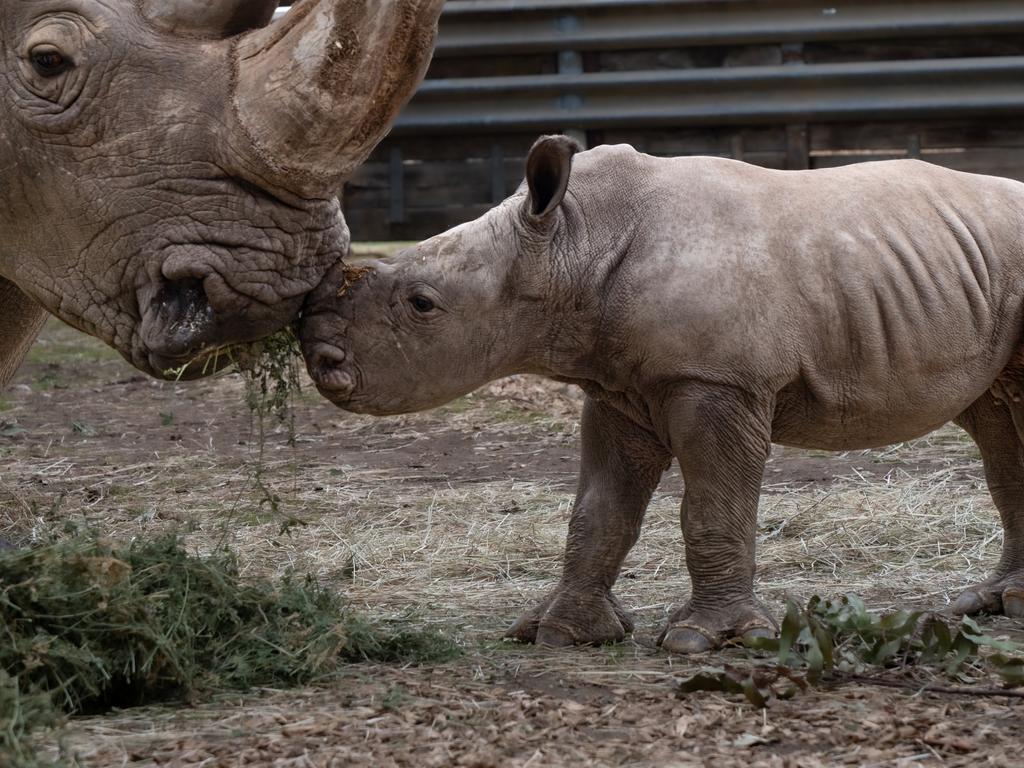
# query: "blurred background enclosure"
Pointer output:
{"type": "Point", "coordinates": [784, 84]}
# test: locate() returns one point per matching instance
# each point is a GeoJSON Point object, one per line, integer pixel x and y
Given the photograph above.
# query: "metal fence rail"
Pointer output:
{"type": "Point", "coordinates": [471, 27]}
{"type": "Point", "coordinates": [741, 95]}
{"type": "Point", "coordinates": [782, 83]}
{"type": "Point", "coordinates": [494, 27]}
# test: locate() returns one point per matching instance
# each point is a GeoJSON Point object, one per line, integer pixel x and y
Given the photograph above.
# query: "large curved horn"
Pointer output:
{"type": "Point", "coordinates": [208, 18]}
{"type": "Point", "coordinates": [317, 90]}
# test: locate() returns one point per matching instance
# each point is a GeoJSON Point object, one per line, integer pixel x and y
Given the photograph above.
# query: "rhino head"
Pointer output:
{"type": "Point", "coordinates": [169, 168]}
{"type": "Point", "coordinates": [496, 296]}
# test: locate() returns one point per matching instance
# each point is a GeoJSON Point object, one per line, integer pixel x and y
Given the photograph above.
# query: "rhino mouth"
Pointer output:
{"type": "Point", "coordinates": [185, 334]}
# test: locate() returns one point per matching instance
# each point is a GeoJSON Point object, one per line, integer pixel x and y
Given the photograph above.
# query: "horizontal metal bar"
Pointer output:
{"type": "Point", "coordinates": [741, 95]}
{"type": "Point", "coordinates": [529, 6]}
{"type": "Point", "coordinates": [485, 27]}
{"type": "Point", "coordinates": [475, 28]}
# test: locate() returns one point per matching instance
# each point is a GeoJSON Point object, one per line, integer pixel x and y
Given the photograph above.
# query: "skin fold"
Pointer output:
{"type": "Point", "coordinates": [169, 168]}
{"type": "Point", "coordinates": [708, 308]}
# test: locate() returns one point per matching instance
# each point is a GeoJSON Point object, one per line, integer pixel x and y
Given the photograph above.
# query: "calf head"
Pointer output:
{"type": "Point", "coordinates": [450, 314]}
{"type": "Point", "coordinates": [168, 168]}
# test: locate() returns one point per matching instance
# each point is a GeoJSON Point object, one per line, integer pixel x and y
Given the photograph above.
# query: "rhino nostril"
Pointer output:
{"type": "Point", "coordinates": [186, 315]}
{"type": "Point", "coordinates": [182, 299]}
{"type": "Point", "coordinates": [326, 356]}
{"type": "Point", "coordinates": [327, 366]}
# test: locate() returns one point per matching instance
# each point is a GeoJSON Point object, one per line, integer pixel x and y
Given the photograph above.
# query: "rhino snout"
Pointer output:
{"type": "Point", "coordinates": [329, 368]}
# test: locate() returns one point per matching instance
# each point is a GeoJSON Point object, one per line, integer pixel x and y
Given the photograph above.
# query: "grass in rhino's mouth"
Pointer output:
{"type": "Point", "coordinates": [270, 370]}
{"type": "Point", "coordinates": [271, 373]}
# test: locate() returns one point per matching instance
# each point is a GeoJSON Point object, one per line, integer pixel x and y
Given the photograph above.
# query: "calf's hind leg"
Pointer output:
{"type": "Point", "coordinates": [997, 426]}
{"type": "Point", "coordinates": [621, 466]}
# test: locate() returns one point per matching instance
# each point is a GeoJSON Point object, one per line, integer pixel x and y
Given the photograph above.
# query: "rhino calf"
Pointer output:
{"type": "Point", "coordinates": [708, 308]}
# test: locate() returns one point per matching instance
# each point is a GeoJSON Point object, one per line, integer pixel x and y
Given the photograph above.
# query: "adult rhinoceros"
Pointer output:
{"type": "Point", "coordinates": [168, 168]}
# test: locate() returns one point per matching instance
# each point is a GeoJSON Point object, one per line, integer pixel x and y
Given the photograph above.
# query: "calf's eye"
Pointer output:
{"type": "Point", "coordinates": [421, 303]}
{"type": "Point", "coordinates": [49, 62]}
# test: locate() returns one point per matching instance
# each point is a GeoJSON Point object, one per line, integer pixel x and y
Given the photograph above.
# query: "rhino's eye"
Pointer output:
{"type": "Point", "coordinates": [49, 62]}
{"type": "Point", "coordinates": [421, 303]}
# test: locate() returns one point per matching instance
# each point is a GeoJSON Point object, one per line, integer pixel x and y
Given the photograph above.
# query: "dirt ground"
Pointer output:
{"type": "Point", "coordinates": [455, 519]}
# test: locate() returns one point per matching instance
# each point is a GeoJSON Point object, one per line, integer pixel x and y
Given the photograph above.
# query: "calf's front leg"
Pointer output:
{"type": "Point", "coordinates": [721, 437]}
{"type": "Point", "coordinates": [622, 464]}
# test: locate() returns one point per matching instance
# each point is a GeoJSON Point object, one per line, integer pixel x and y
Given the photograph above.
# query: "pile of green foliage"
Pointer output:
{"type": "Point", "coordinates": [833, 641]}
{"type": "Point", "coordinates": [86, 625]}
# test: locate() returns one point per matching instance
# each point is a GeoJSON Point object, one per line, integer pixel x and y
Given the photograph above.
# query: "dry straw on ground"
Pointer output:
{"type": "Point", "coordinates": [456, 520]}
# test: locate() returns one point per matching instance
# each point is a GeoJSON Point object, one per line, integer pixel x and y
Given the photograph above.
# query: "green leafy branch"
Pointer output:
{"type": "Point", "coordinates": [271, 375]}
{"type": "Point", "coordinates": [834, 641]}
{"type": "Point", "coordinates": [270, 370]}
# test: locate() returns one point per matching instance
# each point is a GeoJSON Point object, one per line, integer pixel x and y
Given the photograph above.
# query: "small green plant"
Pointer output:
{"type": "Point", "coordinates": [48, 380]}
{"type": "Point", "coordinates": [11, 429]}
{"type": "Point", "coordinates": [836, 640]}
{"type": "Point", "coordinates": [81, 428]}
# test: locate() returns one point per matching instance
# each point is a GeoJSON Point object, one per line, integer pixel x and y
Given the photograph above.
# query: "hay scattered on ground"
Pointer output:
{"type": "Point", "coordinates": [456, 519]}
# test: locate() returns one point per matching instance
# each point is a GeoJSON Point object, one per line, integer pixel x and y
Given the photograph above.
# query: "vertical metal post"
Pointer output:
{"type": "Point", "coordinates": [914, 146]}
{"type": "Point", "coordinates": [798, 146]}
{"type": "Point", "coordinates": [497, 174]}
{"type": "Point", "coordinates": [571, 63]}
{"type": "Point", "coordinates": [737, 146]}
{"type": "Point", "coordinates": [396, 187]}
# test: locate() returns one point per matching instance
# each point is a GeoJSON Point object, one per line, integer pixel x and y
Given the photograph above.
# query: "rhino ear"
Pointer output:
{"type": "Point", "coordinates": [547, 172]}
{"type": "Point", "coordinates": [208, 18]}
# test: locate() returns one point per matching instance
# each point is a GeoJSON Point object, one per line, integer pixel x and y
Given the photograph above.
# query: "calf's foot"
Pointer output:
{"type": "Point", "coordinates": [692, 630]}
{"type": "Point", "coordinates": [999, 595]}
{"type": "Point", "coordinates": [567, 617]}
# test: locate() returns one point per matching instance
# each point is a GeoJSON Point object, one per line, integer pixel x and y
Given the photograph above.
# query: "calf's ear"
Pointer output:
{"type": "Point", "coordinates": [547, 172]}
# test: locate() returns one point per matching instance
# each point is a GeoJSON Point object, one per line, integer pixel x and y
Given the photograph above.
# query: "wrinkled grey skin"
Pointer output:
{"type": "Point", "coordinates": [172, 190]}
{"type": "Point", "coordinates": [708, 308]}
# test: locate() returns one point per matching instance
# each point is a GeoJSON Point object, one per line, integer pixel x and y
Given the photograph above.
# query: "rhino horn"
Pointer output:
{"type": "Point", "coordinates": [318, 89]}
{"type": "Point", "coordinates": [203, 18]}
